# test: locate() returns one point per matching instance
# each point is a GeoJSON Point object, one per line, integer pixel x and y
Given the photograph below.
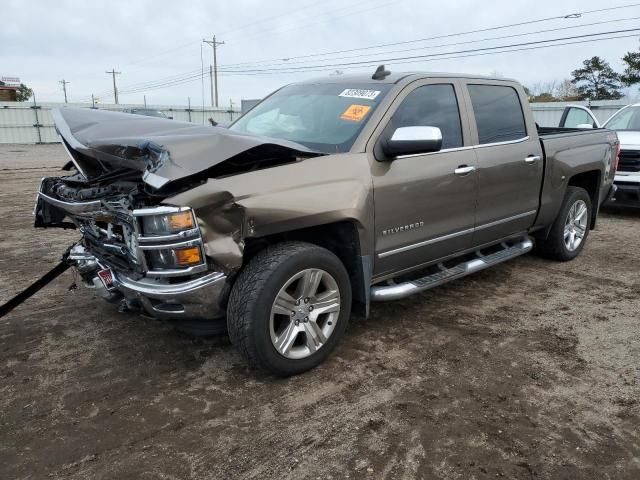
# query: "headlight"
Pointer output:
{"type": "Point", "coordinates": [174, 257]}
{"type": "Point", "coordinates": [167, 223]}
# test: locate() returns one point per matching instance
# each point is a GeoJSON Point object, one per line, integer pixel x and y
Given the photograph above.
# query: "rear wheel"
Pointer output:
{"type": "Point", "coordinates": [570, 229]}
{"type": "Point", "coordinates": [289, 307]}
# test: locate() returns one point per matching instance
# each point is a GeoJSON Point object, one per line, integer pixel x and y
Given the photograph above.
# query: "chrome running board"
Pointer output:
{"type": "Point", "coordinates": [442, 274]}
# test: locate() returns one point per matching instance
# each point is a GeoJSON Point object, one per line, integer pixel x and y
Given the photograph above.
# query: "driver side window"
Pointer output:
{"type": "Point", "coordinates": [432, 106]}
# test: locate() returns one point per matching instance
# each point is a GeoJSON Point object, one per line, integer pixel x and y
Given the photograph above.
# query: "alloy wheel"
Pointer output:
{"type": "Point", "coordinates": [304, 313]}
{"type": "Point", "coordinates": [575, 225]}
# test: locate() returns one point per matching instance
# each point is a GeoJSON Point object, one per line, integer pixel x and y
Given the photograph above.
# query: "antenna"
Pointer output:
{"type": "Point", "coordinates": [380, 73]}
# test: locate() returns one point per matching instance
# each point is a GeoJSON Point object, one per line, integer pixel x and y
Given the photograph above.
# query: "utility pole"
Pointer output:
{"type": "Point", "coordinates": [115, 89]}
{"type": "Point", "coordinates": [214, 44]}
{"type": "Point", "coordinates": [211, 83]}
{"type": "Point", "coordinates": [64, 87]}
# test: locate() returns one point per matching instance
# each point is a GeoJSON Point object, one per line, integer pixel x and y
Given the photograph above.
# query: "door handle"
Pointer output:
{"type": "Point", "coordinates": [463, 170]}
{"type": "Point", "coordinates": [532, 159]}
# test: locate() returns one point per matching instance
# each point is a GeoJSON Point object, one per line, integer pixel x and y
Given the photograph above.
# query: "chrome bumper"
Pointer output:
{"type": "Point", "coordinates": [199, 298]}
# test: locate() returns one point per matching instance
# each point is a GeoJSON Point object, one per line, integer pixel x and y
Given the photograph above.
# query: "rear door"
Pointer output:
{"type": "Point", "coordinates": [509, 160]}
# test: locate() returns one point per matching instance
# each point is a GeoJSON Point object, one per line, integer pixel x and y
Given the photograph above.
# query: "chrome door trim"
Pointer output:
{"type": "Point", "coordinates": [505, 220]}
{"type": "Point", "coordinates": [424, 243]}
{"type": "Point", "coordinates": [468, 147]}
{"type": "Point", "coordinates": [455, 234]}
{"type": "Point", "coordinates": [445, 150]}
{"type": "Point", "coordinates": [508, 142]}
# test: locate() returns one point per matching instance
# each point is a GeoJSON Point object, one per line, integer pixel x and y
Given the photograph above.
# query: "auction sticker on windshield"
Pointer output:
{"type": "Point", "coordinates": [355, 113]}
{"type": "Point", "coordinates": [360, 93]}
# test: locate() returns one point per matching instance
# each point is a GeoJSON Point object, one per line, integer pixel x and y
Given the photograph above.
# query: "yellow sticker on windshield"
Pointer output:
{"type": "Point", "coordinates": [355, 113]}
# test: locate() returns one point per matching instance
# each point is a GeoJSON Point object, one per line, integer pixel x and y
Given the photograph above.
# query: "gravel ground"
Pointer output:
{"type": "Point", "coordinates": [529, 370]}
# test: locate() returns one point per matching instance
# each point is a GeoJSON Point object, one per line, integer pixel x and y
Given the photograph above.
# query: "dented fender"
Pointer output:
{"type": "Point", "coordinates": [285, 198]}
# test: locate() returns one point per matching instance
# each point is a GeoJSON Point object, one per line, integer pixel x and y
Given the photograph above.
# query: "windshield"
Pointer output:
{"type": "Point", "coordinates": [323, 117]}
{"type": "Point", "coordinates": [626, 119]}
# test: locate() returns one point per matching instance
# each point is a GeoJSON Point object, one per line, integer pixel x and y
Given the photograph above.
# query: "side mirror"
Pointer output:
{"type": "Point", "coordinates": [411, 140]}
{"type": "Point", "coordinates": [584, 125]}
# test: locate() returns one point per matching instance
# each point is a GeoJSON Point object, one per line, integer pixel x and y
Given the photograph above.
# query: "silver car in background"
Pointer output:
{"type": "Point", "coordinates": [626, 123]}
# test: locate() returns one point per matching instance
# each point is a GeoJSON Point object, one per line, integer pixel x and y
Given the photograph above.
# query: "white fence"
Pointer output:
{"type": "Point", "coordinates": [28, 122]}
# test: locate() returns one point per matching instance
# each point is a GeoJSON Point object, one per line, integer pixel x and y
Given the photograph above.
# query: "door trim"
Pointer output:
{"type": "Point", "coordinates": [454, 234]}
{"type": "Point", "coordinates": [505, 220]}
{"type": "Point", "coordinates": [424, 243]}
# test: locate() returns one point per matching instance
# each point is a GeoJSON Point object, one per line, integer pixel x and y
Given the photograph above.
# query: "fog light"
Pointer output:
{"type": "Point", "coordinates": [188, 256]}
{"type": "Point", "coordinates": [174, 258]}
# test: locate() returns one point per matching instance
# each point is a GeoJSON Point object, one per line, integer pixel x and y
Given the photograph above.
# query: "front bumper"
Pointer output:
{"type": "Point", "coordinates": [627, 192]}
{"type": "Point", "coordinates": [198, 298]}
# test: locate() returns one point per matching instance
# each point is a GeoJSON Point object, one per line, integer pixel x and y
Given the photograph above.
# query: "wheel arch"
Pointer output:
{"type": "Point", "coordinates": [341, 238]}
{"type": "Point", "coordinates": [589, 181]}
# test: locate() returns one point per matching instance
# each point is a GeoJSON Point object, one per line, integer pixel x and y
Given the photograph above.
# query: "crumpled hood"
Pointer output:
{"type": "Point", "coordinates": [166, 150]}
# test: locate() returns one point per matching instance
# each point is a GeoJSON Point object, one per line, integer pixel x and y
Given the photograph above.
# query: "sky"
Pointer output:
{"type": "Point", "coordinates": [157, 45]}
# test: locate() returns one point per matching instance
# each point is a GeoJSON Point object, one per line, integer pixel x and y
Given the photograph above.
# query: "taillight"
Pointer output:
{"type": "Point", "coordinates": [617, 160]}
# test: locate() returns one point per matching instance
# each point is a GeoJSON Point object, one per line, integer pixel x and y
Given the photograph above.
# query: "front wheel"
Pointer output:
{"type": "Point", "coordinates": [289, 307]}
{"type": "Point", "coordinates": [570, 229]}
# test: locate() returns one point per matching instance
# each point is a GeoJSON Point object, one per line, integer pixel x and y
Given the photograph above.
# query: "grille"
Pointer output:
{"type": "Point", "coordinates": [629, 161]}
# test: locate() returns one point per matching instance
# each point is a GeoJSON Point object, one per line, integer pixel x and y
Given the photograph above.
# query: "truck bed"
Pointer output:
{"type": "Point", "coordinates": [547, 131]}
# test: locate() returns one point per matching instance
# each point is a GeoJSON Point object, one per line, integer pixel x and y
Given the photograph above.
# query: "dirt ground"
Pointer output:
{"type": "Point", "coordinates": [530, 370]}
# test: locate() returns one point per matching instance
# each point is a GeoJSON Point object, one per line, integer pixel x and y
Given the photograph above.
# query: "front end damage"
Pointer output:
{"type": "Point", "coordinates": [124, 254]}
{"type": "Point", "coordinates": [137, 247]}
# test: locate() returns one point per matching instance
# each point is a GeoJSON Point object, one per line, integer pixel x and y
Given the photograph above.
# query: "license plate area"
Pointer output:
{"type": "Point", "coordinates": [106, 276]}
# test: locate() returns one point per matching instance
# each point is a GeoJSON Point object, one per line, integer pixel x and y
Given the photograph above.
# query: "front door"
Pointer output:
{"type": "Point", "coordinates": [424, 210]}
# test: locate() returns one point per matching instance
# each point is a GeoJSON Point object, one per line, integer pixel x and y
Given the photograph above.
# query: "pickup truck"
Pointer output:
{"type": "Point", "coordinates": [328, 195]}
{"type": "Point", "coordinates": [626, 123]}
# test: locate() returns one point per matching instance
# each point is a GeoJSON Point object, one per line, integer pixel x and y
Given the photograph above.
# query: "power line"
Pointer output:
{"type": "Point", "coordinates": [371, 47]}
{"type": "Point", "coordinates": [572, 15]}
{"type": "Point", "coordinates": [185, 45]}
{"type": "Point", "coordinates": [349, 11]}
{"type": "Point", "coordinates": [501, 37]}
{"type": "Point", "coordinates": [468, 32]}
{"type": "Point", "coordinates": [192, 74]}
{"type": "Point", "coordinates": [407, 60]}
{"type": "Point", "coordinates": [415, 57]}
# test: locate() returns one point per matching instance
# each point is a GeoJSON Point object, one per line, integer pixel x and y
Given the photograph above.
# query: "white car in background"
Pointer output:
{"type": "Point", "coordinates": [626, 123]}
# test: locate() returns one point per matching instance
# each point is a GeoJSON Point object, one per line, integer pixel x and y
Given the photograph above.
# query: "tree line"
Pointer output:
{"type": "Point", "coordinates": [595, 80]}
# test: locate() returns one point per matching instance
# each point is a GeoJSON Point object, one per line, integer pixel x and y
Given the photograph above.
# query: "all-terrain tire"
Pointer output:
{"type": "Point", "coordinates": [253, 295]}
{"type": "Point", "coordinates": [555, 246]}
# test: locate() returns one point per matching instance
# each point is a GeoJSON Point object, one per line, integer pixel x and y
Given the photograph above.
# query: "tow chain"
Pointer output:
{"type": "Point", "coordinates": [36, 286]}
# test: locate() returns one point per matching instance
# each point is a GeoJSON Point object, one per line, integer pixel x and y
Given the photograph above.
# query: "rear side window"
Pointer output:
{"type": "Point", "coordinates": [432, 106]}
{"type": "Point", "coordinates": [498, 113]}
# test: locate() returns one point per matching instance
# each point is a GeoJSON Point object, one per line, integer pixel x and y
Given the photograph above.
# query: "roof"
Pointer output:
{"type": "Point", "coordinates": [395, 77]}
{"type": "Point", "coordinates": [8, 87]}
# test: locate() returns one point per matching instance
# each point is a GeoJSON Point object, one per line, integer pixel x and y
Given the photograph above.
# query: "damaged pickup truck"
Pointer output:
{"type": "Point", "coordinates": [326, 196]}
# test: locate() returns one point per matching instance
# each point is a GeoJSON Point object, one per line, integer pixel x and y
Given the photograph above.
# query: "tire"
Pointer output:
{"type": "Point", "coordinates": [266, 332]}
{"type": "Point", "coordinates": [557, 246]}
